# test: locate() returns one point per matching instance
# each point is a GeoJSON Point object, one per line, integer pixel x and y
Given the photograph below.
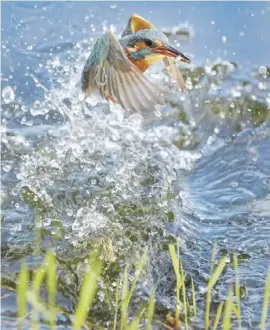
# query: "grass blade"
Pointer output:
{"type": "Point", "coordinates": [193, 297]}
{"type": "Point", "coordinates": [213, 280]}
{"type": "Point", "coordinates": [213, 258]}
{"type": "Point", "coordinates": [51, 285]}
{"type": "Point", "coordinates": [124, 307]}
{"type": "Point", "coordinates": [88, 291]}
{"type": "Point", "coordinates": [136, 321]}
{"type": "Point", "coordinates": [116, 305]}
{"type": "Point", "coordinates": [39, 276]}
{"type": "Point", "coordinates": [184, 294]}
{"type": "Point", "coordinates": [227, 311]}
{"type": "Point", "coordinates": [22, 288]}
{"type": "Point", "coordinates": [138, 274]}
{"type": "Point", "coordinates": [219, 311]}
{"type": "Point", "coordinates": [237, 291]}
{"type": "Point", "coordinates": [150, 311]}
{"type": "Point", "coordinates": [216, 275]}
{"type": "Point", "coordinates": [175, 262]}
{"type": "Point", "coordinates": [126, 298]}
{"type": "Point", "coordinates": [265, 301]}
{"type": "Point", "coordinates": [39, 306]}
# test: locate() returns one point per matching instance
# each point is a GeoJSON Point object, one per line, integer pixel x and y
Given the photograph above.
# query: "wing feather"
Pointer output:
{"type": "Point", "coordinates": [109, 71]}
{"type": "Point", "coordinates": [112, 82]}
{"type": "Point", "coordinates": [136, 98]}
{"type": "Point", "coordinates": [103, 81]}
{"type": "Point", "coordinates": [144, 94]}
{"type": "Point", "coordinates": [149, 90]}
{"type": "Point", "coordinates": [125, 92]}
{"type": "Point", "coordinates": [175, 72]}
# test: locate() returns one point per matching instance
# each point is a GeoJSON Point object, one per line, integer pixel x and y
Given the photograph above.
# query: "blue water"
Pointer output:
{"type": "Point", "coordinates": [58, 148]}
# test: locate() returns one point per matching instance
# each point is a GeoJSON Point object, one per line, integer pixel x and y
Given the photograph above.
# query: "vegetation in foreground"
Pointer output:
{"type": "Point", "coordinates": [34, 309]}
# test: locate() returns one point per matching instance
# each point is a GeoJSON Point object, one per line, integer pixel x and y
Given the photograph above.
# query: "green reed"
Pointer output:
{"type": "Point", "coordinates": [31, 305]}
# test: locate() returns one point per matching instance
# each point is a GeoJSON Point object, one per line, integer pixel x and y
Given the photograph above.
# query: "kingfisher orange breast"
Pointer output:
{"type": "Point", "coordinates": [141, 64]}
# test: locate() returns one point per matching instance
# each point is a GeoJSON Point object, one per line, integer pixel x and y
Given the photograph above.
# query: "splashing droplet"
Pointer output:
{"type": "Point", "coordinates": [17, 227]}
{"type": "Point", "coordinates": [8, 95]}
{"type": "Point", "coordinates": [262, 70]}
{"type": "Point", "coordinates": [113, 6]}
{"type": "Point", "coordinates": [69, 212]}
{"type": "Point", "coordinates": [47, 221]}
{"type": "Point", "coordinates": [88, 220]}
{"type": "Point", "coordinates": [7, 168]}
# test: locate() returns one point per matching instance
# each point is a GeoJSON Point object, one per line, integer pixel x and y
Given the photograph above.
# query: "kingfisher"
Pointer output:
{"type": "Point", "coordinates": [115, 67]}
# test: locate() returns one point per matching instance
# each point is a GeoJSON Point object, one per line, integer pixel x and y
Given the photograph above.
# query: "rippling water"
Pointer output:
{"type": "Point", "coordinates": [77, 175]}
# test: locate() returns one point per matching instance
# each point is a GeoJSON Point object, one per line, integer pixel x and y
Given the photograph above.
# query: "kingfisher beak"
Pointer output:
{"type": "Point", "coordinates": [171, 52]}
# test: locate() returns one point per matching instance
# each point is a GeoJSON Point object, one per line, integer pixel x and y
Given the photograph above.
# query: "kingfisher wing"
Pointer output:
{"type": "Point", "coordinates": [175, 73]}
{"type": "Point", "coordinates": [109, 71]}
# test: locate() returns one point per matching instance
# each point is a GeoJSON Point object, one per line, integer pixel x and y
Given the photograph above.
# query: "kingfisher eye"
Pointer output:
{"type": "Point", "coordinates": [149, 43]}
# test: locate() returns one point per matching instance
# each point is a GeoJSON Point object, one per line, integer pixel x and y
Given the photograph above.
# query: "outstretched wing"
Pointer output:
{"type": "Point", "coordinates": [175, 73]}
{"type": "Point", "coordinates": [109, 71]}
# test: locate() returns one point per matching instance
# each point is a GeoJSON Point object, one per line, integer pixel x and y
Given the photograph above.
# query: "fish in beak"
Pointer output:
{"type": "Point", "coordinates": [171, 52]}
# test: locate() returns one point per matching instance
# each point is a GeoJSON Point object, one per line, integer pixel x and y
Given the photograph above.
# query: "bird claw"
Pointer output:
{"type": "Point", "coordinates": [110, 98]}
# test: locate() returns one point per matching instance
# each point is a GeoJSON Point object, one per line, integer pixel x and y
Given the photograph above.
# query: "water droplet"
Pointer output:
{"type": "Point", "coordinates": [262, 70]}
{"type": "Point", "coordinates": [8, 95]}
{"type": "Point", "coordinates": [29, 123]}
{"type": "Point", "coordinates": [69, 213]}
{"type": "Point", "coordinates": [76, 226]}
{"type": "Point", "coordinates": [81, 96]}
{"type": "Point", "coordinates": [37, 109]}
{"type": "Point", "coordinates": [17, 227]}
{"type": "Point", "coordinates": [236, 93]}
{"type": "Point", "coordinates": [93, 182]}
{"type": "Point", "coordinates": [12, 231]}
{"type": "Point", "coordinates": [30, 47]}
{"type": "Point", "coordinates": [113, 6]}
{"type": "Point", "coordinates": [67, 236]}
{"type": "Point", "coordinates": [224, 39]}
{"type": "Point", "coordinates": [47, 221]}
{"type": "Point", "coordinates": [15, 191]}
{"type": "Point", "coordinates": [248, 177]}
{"type": "Point", "coordinates": [88, 220]}
{"type": "Point", "coordinates": [212, 22]}
{"type": "Point", "coordinates": [7, 168]}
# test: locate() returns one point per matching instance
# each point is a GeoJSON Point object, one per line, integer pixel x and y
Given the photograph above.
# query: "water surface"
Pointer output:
{"type": "Point", "coordinates": [75, 175]}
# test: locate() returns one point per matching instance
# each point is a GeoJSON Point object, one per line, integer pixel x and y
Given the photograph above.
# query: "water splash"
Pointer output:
{"type": "Point", "coordinates": [8, 94]}
{"type": "Point", "coordinates": [99, 172]}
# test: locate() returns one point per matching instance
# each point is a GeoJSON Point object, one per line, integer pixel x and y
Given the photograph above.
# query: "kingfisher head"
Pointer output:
{"type": "Point", "coordinates": [142, 41]}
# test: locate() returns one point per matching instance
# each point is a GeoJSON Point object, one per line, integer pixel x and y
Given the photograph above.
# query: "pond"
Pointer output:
{"type": "Point", "coordinates": [76, 175]}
